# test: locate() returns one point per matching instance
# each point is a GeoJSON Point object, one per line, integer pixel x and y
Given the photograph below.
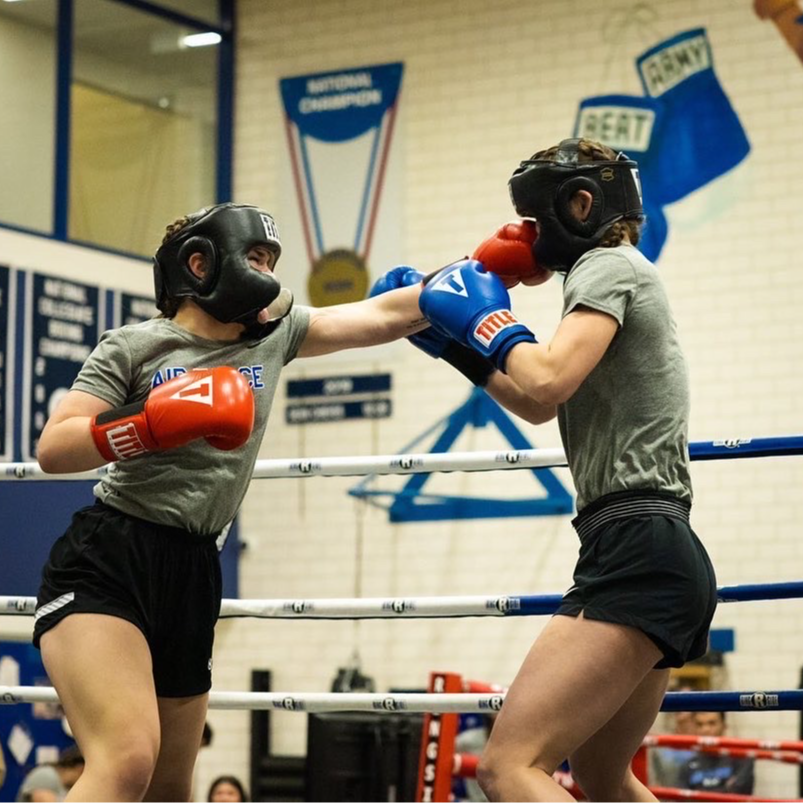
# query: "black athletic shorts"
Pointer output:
{"type": "Point", "coordinates": [642, 565]}
{"type": "Point", "coordinates": [164, 580]}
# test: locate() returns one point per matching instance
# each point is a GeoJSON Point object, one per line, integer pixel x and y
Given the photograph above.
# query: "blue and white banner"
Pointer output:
{"type": "Point", "coordinates": [130, 309]}
{"type": "Point", "coordinates": [8, 308]}
{"type": "Point", "coordinates": [342, 188]}
{"type": "Point", "coordinates": [633, 125]}
{"type": "Point", "coordinates": [62, 325]}
{"type": "Point", "coordinates": [703, 137]}
{"type": "Point", "coordinates": [683, 132]}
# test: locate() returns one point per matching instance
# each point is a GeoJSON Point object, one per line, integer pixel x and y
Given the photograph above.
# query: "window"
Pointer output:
{"type": "Point", "coordinates": [143, 126]}
{"type": "Point", "coordinates": [112, 125]}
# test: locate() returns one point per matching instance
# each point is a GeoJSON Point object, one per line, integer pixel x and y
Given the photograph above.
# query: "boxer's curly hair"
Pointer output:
{"type": "Point", "coordinates": [173, 228]}
{"type": "Point", "coordinates": [591, 151]}
{"type": "Point", "coordinates": [172, 304]}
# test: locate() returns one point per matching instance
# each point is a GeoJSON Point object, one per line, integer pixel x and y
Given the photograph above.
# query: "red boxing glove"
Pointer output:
{"type": "Point", "coordinates": [509, 254]}
{"type": "Point", "coordinates": [212, 403]}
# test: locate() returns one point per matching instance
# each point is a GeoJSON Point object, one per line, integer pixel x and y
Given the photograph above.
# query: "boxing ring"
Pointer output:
{"type": "Point", "coordinates": [448, 694]}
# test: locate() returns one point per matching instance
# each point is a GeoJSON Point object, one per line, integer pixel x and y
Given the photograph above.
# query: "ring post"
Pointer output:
{"type": "Point", "coordinates": [437, 744]}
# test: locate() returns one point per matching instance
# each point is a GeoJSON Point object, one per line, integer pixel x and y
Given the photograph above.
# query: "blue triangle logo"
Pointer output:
{"type": "Point", "coordinates": [451, 283]}
{"type": "Point", "coordinates": [412, 504]}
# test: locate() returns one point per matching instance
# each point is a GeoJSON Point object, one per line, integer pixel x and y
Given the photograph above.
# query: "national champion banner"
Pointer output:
{"type": "Point", "coordinates": [341, 200]}
{"type": "Point", "coordinates": [62, 325]}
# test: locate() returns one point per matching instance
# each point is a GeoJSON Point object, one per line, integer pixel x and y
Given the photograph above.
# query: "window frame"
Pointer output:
{"type": "Point", "coordinates": [65, 23]}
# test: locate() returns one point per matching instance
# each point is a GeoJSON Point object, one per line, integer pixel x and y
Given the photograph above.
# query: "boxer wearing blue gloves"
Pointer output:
{"type": "Point", "coordinates": [644, 590]}
{"type": "Point", "coordinates": [472, 306]}
{"type": "Point", "coordinates": [432, 341]}
{"type": "Point", "coordinates": [508, 254]}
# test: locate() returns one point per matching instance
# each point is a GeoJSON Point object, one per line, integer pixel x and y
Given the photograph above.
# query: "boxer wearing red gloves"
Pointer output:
{"type": "Point", "coordinates": [215, 404]}
{"type": "Point", "coordinates": [131, 592]}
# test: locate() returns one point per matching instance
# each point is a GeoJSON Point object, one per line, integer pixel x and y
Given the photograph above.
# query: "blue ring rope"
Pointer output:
{"type": "Point", "coordinates": [733, 701]}
{"type": "Point", "coordinates": [543, 604]}
{"type": "Point", "coordinates": [746, 447]}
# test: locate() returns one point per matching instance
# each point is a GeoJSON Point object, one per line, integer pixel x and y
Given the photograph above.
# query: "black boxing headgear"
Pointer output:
{"type": "Point", "coordinates": [230, 290]}
{"type": "Point", "coordinates": [543, 189]}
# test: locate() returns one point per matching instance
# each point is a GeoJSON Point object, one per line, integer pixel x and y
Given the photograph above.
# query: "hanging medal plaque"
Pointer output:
{"type": "Point", "coordinates": [343, 179]}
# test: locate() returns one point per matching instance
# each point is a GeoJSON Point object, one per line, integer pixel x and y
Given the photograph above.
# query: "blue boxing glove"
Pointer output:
{"type": "Point", "coordinates": [432, 341]}
{"type": "Point", "coordinates": [702, 136]}
{"type": "Point", "coordinates": [472, 306]}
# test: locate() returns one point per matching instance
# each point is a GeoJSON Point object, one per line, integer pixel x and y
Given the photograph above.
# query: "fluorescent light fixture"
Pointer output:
{"type": "Point", "coordinates": [200, 39]}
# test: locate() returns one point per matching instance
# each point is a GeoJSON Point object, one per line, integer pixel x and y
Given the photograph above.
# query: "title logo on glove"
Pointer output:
{"type": "Point", "coordinates": [452, 282]}
{"type": "Point", "coordinates": [492, 324]}
{"type": "Point", "coordinates": [200, 392]}
{"type": "Point", "coordinates": [125, 442]}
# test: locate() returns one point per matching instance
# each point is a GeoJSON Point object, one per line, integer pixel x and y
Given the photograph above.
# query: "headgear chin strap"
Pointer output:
{"type": "Point", "coordinates": [230, 290]}
{"type": "Point", "coordinates": [543, 189]}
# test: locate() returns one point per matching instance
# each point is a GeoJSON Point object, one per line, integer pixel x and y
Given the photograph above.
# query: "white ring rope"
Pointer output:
{"type": "Point", "coordinates": [316, 702]}
{"type": "Point", "coordinates": [364, 607]}
{"type": "Point", "coordinates": [425, 607]}
{"type": "Point", "coordinates": [791, 700]}
{"type": "Point", "coordinates": [356, 608]}
{"type": "Point", "coordinates": [348, 466]}
{"type": "Point", "coordinates": [442, 461]}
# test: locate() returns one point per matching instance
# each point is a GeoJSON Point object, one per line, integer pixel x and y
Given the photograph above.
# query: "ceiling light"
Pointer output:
{"type": "Point", "coordinates": [200, 39]}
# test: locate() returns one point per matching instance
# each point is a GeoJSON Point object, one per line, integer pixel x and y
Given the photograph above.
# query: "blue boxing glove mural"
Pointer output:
{"type": "Point", "coordinates": [633, 125]}
{"type": "Point", "coordinates": [701, 138]}
{"type": "Point", "coordinates": [683, 133]}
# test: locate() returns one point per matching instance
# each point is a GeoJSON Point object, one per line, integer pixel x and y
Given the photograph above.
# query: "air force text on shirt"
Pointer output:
{"type": "Point", "coordinates": [253, 373]}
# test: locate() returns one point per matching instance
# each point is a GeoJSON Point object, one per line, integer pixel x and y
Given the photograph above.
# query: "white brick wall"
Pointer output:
{"type": "Point", "coordinates": [485, 84]}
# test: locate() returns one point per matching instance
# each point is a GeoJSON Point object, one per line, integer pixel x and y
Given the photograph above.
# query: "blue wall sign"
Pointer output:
{"type": "Point", "coordinates": [338, 385]}
{"type": "Point", "coordinates": [323, 412]}
{"type": "Point", "coordinates": [63, 324]}
{"type": "Point", "coordinates": [333, 398]}
{"type": "Point", "coordinates": [7, 331]}
{"type": "Point", "coordinates": [130, 309]}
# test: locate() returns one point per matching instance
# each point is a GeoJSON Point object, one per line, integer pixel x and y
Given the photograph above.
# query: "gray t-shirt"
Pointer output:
{"type": "Point", "coordinates": [44, 777]}
{"type": "Point", "coordinates": [626, 427]}
{"type": "Point", "coordinates": [195, 487]}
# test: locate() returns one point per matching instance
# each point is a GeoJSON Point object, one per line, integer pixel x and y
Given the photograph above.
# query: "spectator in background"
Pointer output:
{"type": "Point", "coordinates": [226, 789]}
{"type": "Point", "coordinates": [713, 773]}
{"type": "Point", "coordinates": [49, 782]}
{"type": "Point", "coordinates": [120, 596]}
